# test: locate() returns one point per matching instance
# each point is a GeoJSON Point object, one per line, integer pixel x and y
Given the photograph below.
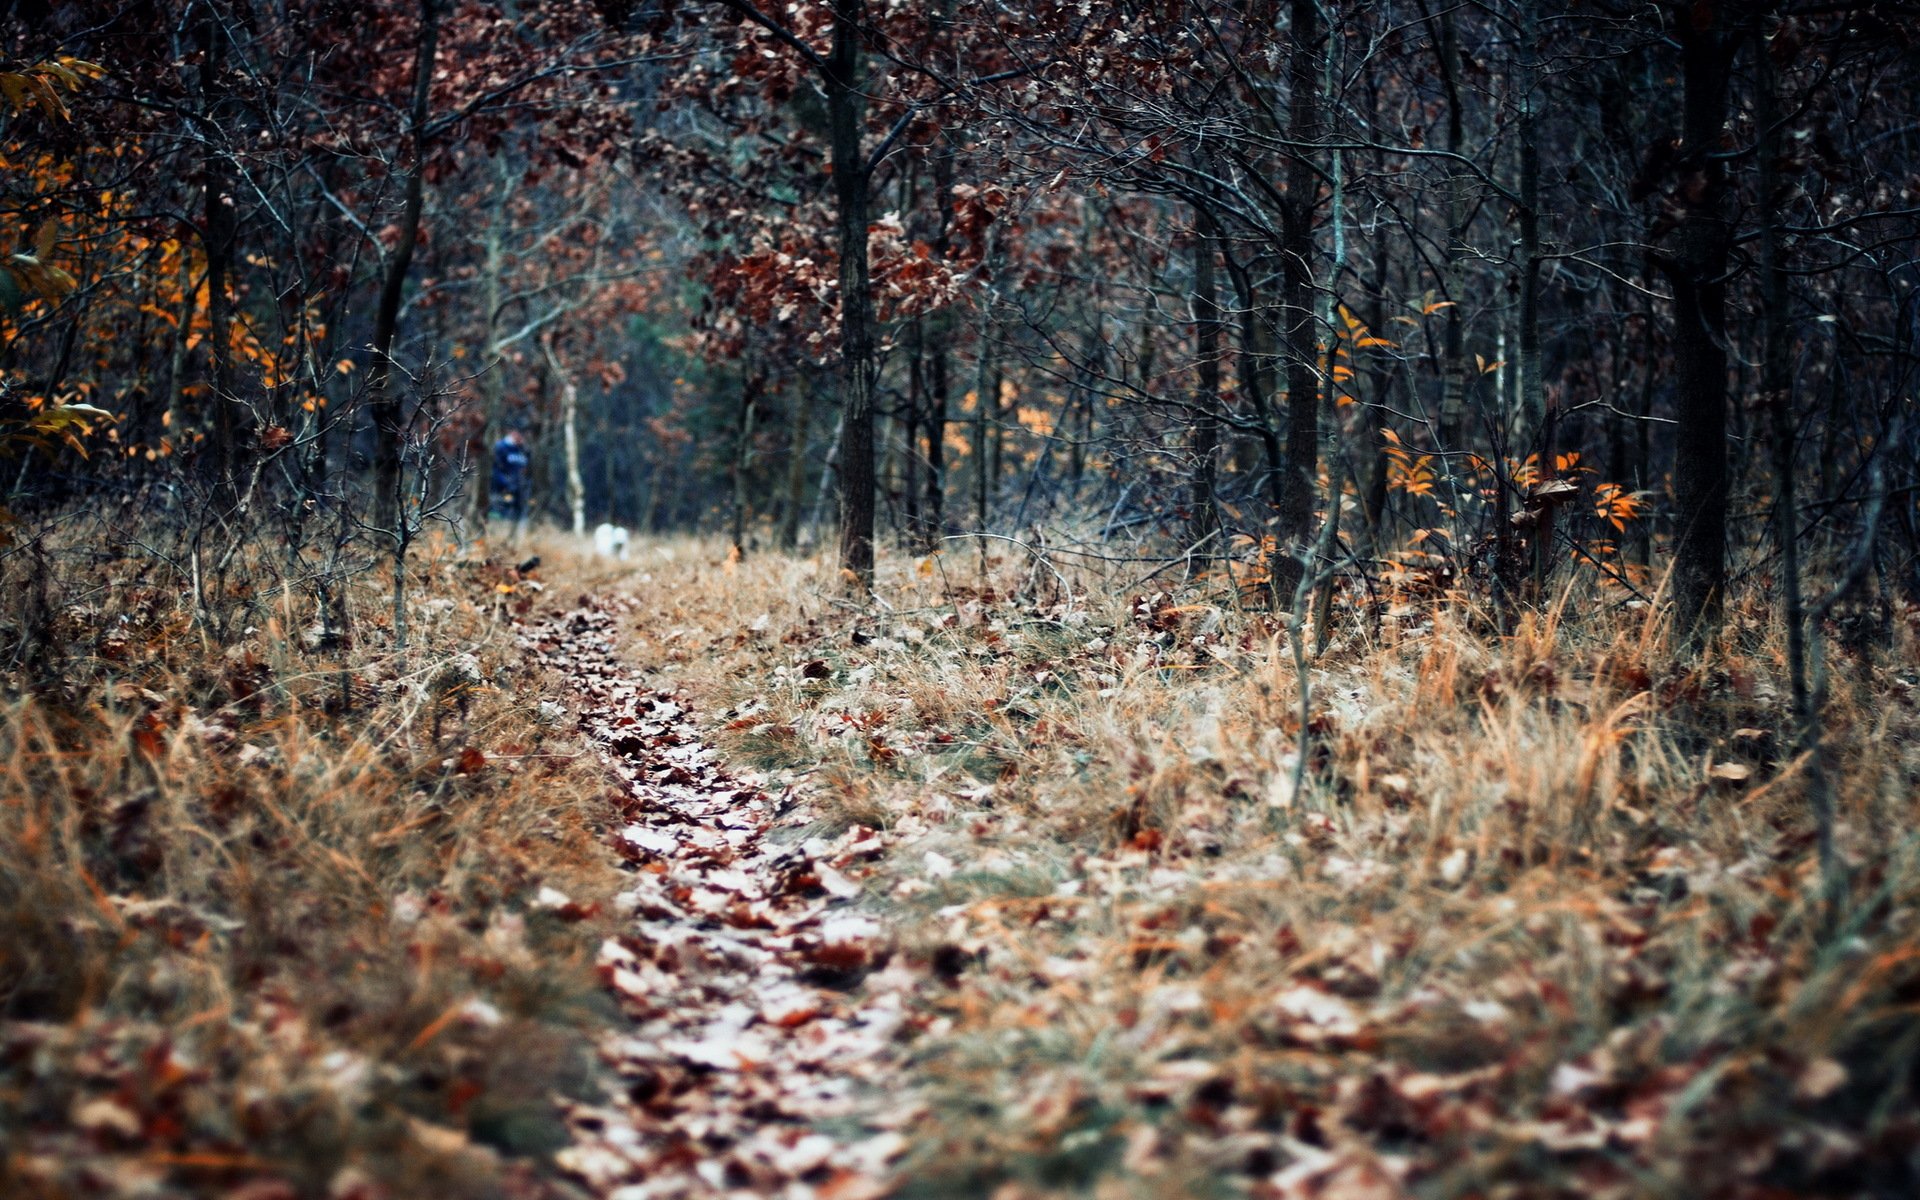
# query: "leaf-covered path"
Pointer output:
{"type": "Point", "coordinates": [764, 1020]}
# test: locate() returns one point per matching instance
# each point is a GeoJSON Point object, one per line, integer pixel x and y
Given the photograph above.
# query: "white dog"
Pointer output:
{"type": "Point", "coordinates": [610, 541]}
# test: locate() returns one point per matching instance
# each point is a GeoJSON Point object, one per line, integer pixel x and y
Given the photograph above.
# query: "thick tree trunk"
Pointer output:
{"type": "Point", "coordinates": [386, 406]}
{"type": "Point", "coordinates": [1297, 305]}
{"type": "Point", "coordinates": [845, 109]}
{"type": "Point", "coordinates": [1697, 268]}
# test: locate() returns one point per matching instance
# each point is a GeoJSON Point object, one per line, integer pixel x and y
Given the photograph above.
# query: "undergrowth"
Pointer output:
{"type": "Point", "coordinates": [1545, 918]}
{"type": "Point", "coordinates": [287, 912]}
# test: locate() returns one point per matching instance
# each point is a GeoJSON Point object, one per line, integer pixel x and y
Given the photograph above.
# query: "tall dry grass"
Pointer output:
{"type": "Point", "coordinates": [272, 918]}
{"type": "Point", "coordinates": [1544, 920]}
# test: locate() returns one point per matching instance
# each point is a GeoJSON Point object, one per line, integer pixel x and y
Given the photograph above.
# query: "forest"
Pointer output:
{"type": "Point", "coordinates": [838, 599]}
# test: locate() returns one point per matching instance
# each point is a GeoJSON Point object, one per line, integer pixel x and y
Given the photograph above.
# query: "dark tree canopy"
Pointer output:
{"type": "Point", "coordinates": [1519, 287]}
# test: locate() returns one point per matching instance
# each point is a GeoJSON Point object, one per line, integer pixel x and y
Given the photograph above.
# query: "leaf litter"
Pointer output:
{"type": "Point", "coordinates": [765, 1006]}
{"type": "Point", "coordinates": [1504, 941]}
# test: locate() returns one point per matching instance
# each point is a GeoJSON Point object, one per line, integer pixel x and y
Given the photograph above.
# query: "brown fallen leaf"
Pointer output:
{"type": "Point", "coordinates": [1819, 1079]}
{"type": "Point", "coordinates": [105, 1115]}
{"type": "Point", "coordinates": [1730, 773]}
{"type": "Point", "coordinates": [835, 884]}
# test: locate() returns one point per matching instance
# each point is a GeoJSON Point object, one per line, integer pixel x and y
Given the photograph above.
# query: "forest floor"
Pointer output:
{"type": "Point", "coordinates": [702, 879]}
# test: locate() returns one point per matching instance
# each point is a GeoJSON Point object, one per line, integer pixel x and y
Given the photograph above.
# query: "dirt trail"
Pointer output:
{"type": "Point", "coordinates": [765, 1012]}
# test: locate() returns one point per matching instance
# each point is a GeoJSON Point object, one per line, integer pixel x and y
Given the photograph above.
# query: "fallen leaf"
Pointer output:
{"type": "Point", "coordinates": [105, 1115]}
{"type": "Point", "coordinates": [1819, 1079]}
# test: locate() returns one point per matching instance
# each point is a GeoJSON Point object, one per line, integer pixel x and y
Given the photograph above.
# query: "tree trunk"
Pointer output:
{"type": "Point", "coordinates": [910, 421]}
{"type": "Point", "coordinates": [650, 512]}
{"type": "Point", "coordinates": [742, 457]}
{"type": "Point", "coordinates": [1776, 389]}
{"type": "Point", "coordinates": [1453, 396]}
{"type": "Point", "coordinates": [997, 430]}
{"type": "Point", "coordinates": [1620, 469]}
{"type": "Point", "coordinates": [796, 489]}
{"type": "Point", "coordinates": [493, 386]}
{"type": "Point", "coordinates": [828, 478]}
{"type": "Point", "coordinates": [1533, 395]}
{"type": "Point", "coordinates": [1297, 305]}
{"type": "Point", "coordinates": [1697, 268]}
{"type": "Point", "coordinates": [1640, 544]}
{"type": "Point", "coordinates": [845, 109]}
{"type": "Point", "coordinates": [569, 437]}
{"type": "Point", "coordinates": [939, 362]}
{"type": "Point", "coordinates": [1085, 398]}
{"type": "Point", "coordinates": [1256, 370]}
{"type": "Point", "coordinates": [1204, 432]}
{"type": "Point", "coordinates": [986, 392]}
{"type": "Point", "coordinates": [938, 384]}
{"type": "Point", "coordinates": [385, 405]}
{"type": "Point", "coordinates": [221, 238]}
{"type": "Point", "coordinates": [175, 420]}
{"type": "Point", "coordinates": [1370, 465]}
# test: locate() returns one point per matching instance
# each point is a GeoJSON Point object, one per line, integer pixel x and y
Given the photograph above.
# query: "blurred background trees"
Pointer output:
{"type": "Point", "coordinates": [1515, 298]}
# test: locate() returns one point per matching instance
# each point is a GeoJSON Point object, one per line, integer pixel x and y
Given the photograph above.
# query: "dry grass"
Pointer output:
{"type": "Point", "coordinates": [271, 916]}
{"type": "Point", "coordinates": [1544, 920]}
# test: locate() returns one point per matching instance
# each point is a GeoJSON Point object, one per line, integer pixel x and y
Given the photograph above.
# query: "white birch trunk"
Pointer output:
{"type": "Point", "coordinates": [569, 438]}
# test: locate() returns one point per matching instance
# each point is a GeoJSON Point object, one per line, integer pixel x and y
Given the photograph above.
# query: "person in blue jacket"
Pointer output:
{"type": "Point", "coordinates": [511, 467]}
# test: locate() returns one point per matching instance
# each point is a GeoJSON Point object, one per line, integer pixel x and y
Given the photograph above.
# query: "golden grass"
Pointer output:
{"type": "Point", "coordinates": [1543, 921]}
{"type": "Point", "coordinates": [272, 915]}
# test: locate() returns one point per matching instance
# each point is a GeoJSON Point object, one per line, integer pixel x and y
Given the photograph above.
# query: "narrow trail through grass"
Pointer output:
{"type": "Point", "coordinates": [691, 875]}
{"type": "Point", "coordinates": [763, 1025]}
{"type": "Point", "coordinates": [1543, 919]}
